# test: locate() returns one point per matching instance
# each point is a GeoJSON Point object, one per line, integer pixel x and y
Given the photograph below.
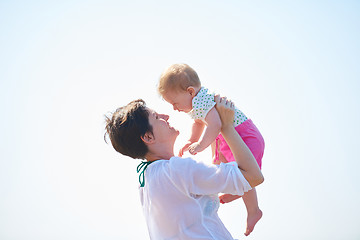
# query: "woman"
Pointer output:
{"type": "Point", "coordinates": [179, 195]}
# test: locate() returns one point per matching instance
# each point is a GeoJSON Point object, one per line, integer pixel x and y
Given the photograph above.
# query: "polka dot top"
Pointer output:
{"type": "Point", "coordinates": [204, 101]}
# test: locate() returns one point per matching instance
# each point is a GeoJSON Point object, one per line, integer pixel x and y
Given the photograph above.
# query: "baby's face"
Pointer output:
{"type": "Point", "coordinates": [181, 100]}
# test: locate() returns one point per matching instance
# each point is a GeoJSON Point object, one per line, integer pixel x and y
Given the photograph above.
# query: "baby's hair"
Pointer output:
{"type": "Point", "coordinates": [178, 77]}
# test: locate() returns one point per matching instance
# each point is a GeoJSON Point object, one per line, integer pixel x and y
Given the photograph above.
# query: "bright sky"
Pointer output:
{"type": "Point", "coordinates": [291, 66]}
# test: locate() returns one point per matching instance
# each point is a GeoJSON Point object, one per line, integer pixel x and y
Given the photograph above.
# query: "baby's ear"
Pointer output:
{"type": "Point", "coordinates": [191, 90]}
{"type": "Point", "coordinates": [148, 138]}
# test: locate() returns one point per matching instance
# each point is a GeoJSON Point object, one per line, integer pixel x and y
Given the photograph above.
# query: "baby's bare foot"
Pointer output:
{"type": "Point", "coordinates": [252, 219]}
{"type": "Point", "coordinates": [226, 198]}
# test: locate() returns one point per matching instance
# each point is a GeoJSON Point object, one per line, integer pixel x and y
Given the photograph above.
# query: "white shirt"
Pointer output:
{"type": "Point", "coordinates": [180, 198]}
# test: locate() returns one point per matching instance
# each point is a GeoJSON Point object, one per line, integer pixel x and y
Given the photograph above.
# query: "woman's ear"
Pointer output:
{"type": "Point", "coordinates": [191, 90]}
{"type": "Point", "coordinates": [148, 138]}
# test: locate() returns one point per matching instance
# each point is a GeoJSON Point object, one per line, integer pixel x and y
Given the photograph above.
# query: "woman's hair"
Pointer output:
{"type": "Point", "coordinates": [178, 77]}
{"type": "Point", "coordinates": [126, 126]}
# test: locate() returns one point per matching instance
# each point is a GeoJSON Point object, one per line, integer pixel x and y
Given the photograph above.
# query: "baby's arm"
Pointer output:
{"type": "Point", "coordinates": [196, 131]}
{"type": "Point", "coordinates": [213, 128]}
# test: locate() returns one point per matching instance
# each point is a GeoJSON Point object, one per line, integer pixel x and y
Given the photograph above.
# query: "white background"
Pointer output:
{"type": "Point", "coordinates": [291, 66]}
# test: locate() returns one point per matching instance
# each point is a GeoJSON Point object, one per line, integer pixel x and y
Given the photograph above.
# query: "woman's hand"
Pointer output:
{"type": "Point", "coordinates": [226, 110]}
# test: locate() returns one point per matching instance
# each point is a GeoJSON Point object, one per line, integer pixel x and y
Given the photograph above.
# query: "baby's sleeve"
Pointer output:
{"type": "Point", "coordinates": [202, 105]}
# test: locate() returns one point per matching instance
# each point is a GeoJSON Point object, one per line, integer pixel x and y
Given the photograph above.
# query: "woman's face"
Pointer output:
{"type": "Point", "coordinates": [162, 130]}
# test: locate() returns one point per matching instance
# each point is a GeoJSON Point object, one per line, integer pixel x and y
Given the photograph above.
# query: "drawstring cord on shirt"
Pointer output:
{"type": "Point", "coordinates": [143, 165]}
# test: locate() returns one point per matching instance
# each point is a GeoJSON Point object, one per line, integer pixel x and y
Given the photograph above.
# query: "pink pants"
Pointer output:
{"type": "Point", "coordinates": [252, 138]}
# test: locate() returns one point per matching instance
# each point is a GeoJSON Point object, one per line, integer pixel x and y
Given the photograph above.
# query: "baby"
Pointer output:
{"type": "Point", "coordinates": [180, 86]}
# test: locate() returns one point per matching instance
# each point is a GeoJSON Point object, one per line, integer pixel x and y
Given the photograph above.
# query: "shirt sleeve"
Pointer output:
{"type": "Point", "coordinates": [202, 105]}
{"type": "Point", "coordinates": [202, 179]}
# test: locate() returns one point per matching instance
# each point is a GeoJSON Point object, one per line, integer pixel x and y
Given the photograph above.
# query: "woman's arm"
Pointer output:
{"type": "Point", "coordinates": [241, 152]}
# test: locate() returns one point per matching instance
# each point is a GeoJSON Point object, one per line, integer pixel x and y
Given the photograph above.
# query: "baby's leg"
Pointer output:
{"type": "Point", "coordinates": [213, 153]}
{"type": "Point", "coordinates": [253, 139]}
{"type": "Point", "coordinates": [253, 210]}
{"type": "Point", "coordinates": [217, 156]}
{"type": "Point", "coordinates": [226, 198]}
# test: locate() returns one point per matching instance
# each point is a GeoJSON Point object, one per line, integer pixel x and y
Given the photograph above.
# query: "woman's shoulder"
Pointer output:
{"type": "Point", "coordinates": [180, 160]}
{"type": "Point", "coordinates": [174, 162]}
{"type": "Point", "coordinates": [187, 164]}
{"type": "Point", "coordinates": [180, 163]}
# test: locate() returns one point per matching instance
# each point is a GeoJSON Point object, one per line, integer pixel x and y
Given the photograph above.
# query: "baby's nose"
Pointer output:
{"type": "Point", "coordinates": [164, 116]}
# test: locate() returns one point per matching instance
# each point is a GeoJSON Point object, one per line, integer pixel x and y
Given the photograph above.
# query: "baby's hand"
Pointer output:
{"type": "Point", "coordinates": [194, 148]}
{"type": "Point", "coordinates": [184, 149]}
